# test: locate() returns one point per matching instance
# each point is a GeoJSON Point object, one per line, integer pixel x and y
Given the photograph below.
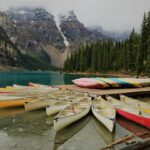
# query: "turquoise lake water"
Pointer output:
{"type": "Point", "coordinates": [48, 78]}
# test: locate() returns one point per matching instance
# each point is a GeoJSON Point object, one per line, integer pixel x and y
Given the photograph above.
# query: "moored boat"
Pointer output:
{"type": "Point", "coordinates": [19, 86]}
{"type": "Point", "coordinates": [62, 103]}
{"type": "Point", "coordinates": [104, 112]}
{"type": "Point", "coordinates": [108, 81]}
{"type": "Point", "coordinates": [14, 102]}
{"type": "Point", "coordinates": [7, 90]}
{"type": "Point", "coordinates": [57, 107]}
{"type": "Point", "coordinates": [90, 83]}
{"type": "Point", "coordinates": [131, 113]}
{"type": "Point", "coordinates": [39, 85]}
{"type": "Point", "coordinates": [39, 103]}
{"type": "Point", "coordinates": [72, 113]}
{"type": "Point", "coordinates": [136, 103]}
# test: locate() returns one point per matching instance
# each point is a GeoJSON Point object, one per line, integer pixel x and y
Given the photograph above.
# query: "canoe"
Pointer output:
{"type": "Point", "coordinates": [6, 90]}
{"type": "Point", "coordinates": [132, 81]}
{"type": "Point", "coordinates": [19, 86]}
{"type": "Point", "coordinates": [136, 103]}
{"type": "Point", "coordinates": [9, 97]}
{"type": "Point", "coordinates": [62, 104]}
{"type": "Point", "coordinates": [1, 93]}
{"type": "Point", "coordinates": [121, 82]}
{"type": "Point", "coordinates": [57, 107]}
{"type": "Point", "coordinates": [14, 102]}
{"type": "Point", "coordinates": [65, 134]}
{"type": "Point", "coordinates": [111, 83]}
{"type": "Point", "coordinates": [72, 113]}
{"type": "Point", "coordinates": [38, 85]}
{"type": "Point", "coordinates": [90, 83]}
{"type": "Point", "coordinates": [38, 104]}
{"type": "Point", "coordinates": [131, 113]}
{"type": "Point", "coordinates": [104, 112]}
{"type": "Point", "coordinates": [33, 91]}
{"type": "Point", "coordinates": [139, 82]}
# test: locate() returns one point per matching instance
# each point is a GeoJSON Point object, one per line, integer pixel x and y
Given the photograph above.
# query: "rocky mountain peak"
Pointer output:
{"type": "Point", "coordinates": [68, 16]}
{"type": "Point", "coordinates": [34, 14]}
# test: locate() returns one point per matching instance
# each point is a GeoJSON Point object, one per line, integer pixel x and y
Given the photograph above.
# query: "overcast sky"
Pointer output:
{"type": "Point", "coordinates": [117, 15]}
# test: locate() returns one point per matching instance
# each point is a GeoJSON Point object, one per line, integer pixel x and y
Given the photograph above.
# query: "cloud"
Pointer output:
{"type": "Point", "coordinates": [110, 14]}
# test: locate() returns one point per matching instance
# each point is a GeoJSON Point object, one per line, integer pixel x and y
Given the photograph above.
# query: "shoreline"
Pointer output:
{"type": "Point", "coordinates": [108, 74]}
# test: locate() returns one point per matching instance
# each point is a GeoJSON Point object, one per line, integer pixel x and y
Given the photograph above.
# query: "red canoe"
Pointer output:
{"type": "Point", "coordinates": [7, 92]}
{"type": "Point", "coordinates": [130, 112]}
{"type": "Point", "coordinates": [136, 118]}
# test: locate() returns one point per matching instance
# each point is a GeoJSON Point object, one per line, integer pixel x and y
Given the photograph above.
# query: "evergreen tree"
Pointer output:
{"type": "Point", "coordinates": [142, 49]}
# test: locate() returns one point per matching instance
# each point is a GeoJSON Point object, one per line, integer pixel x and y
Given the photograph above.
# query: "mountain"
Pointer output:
{"type": "Point", "coordinates": [11, 56]}
{"type": "Point", "coordinates": [38, 33]}
{"type": "Point", "coordinates": [75, 31]}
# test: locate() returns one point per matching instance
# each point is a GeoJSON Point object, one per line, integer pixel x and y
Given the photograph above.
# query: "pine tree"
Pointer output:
{"type": "Point", "coordinates": [142, 49]}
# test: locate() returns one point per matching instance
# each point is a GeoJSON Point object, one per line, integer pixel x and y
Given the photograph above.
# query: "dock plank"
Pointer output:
{"type": "Point", "coordinates": [129, 91]}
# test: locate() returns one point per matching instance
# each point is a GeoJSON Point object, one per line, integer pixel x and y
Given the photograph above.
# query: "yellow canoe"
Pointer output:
{"type": "Point", "coordinates": [14, 102]}
{"type": "Point", "coordinates": [7, 89]}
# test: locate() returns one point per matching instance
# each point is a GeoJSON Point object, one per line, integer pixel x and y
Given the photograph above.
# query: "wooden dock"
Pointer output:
{"type": "Point", "coordinates": [126, 91]}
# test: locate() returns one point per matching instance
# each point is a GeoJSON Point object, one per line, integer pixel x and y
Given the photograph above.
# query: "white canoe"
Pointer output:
{"type": "Point", "coordinates": [61, 104]}
{"type": "Point", "coordinates": [39, 85]}
{"type": "Point", "coordinates": [7, 97]}
{"type": "Point", "coordinates": [32, 89]}
{"type": "Point", "coordinates": [136, 103]}
{"type": "Point", "coordinates": [139, 81]}
{"type": "Point", "coordinates": [72, 113]}
{"type": "Point", "coordinates": [104, 112]}
{"type": "Point", "coordinates": [20, 86]}
{"type": "Point", "coordinates": [38, 104]}
{"type": "Point", "coordinates": [57, 107]}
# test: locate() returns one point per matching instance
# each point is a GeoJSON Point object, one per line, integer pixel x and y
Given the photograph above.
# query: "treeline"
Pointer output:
{"type": "Point", "coordinates": [129, 56]}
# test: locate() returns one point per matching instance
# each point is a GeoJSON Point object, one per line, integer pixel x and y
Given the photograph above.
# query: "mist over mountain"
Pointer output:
{"type": "Point", "coordinates": [115, 35]}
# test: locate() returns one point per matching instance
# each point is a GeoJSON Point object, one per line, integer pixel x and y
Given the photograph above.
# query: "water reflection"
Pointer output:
{"type": "Point", "coordinates": [63, 135]}
{"type": "Point", "coordinates": [103, 131]}
{"type": "Point", "coordinates": [34, 130]}
{"type": "Point", "coordinates": [11, 111]}
{"type": "Point", "coordinates": [49, 77]}
{"type": "Point", "coordinates": [134, 128]}
{"type": "Point", "coordinates": [118, 133]}
{"type": "Point", "coordinates": [26, 131]}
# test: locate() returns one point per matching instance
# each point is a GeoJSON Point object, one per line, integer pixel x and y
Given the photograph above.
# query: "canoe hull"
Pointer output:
{"type": "Point", "coordinates": [61, 123]}
{"type": "Point", "coordinates": [13, 103]}
{"type": "Point", "coordinates": [138, 119]}
{"type": "Point", "coordinates": [136, 103]}
{"type": "Point", "coordinates": [37, 104]}
{"type": "Point", "coordinates": [52, 109]}
{"type": "Point", "coordinates": [108, 123]}
{"type": "Point", "coordinates": [89, 83]}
